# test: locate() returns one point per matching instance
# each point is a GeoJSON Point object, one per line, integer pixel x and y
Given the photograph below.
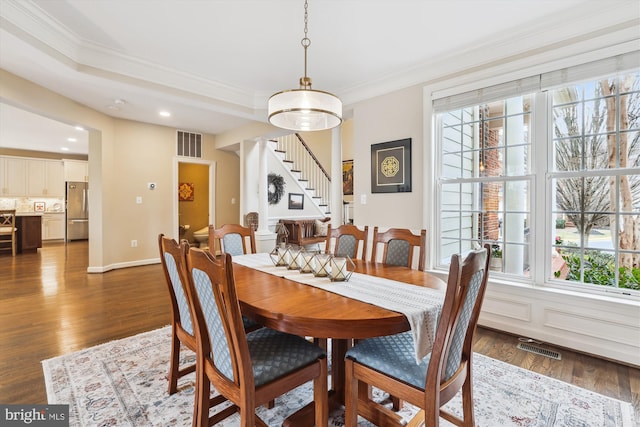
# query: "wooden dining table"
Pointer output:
{"type": "Point", "coordinates": [300, 309]}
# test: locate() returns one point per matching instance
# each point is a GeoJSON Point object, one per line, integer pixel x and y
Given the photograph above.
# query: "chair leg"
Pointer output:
{"type": "Point", "coordinates": [174, 362]}
{"type": "Point", "coordinates": [320, 385]}
{"type": "Point", "coordinates": [203, 393]}
{"type": "Point", "coordinates": [467, 400]}
{"type": "Point", "coordinates": [396, 403]}
{"type": "Point", "coordinates": [350, 396]}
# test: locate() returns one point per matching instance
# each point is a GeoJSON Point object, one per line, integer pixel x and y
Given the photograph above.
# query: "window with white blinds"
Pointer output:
{"type": "Point", "coordinates": [587, 126]}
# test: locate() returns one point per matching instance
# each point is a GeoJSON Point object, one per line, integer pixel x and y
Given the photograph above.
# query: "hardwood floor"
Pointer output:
{"type": "Point", "coordinates": [50, 305]}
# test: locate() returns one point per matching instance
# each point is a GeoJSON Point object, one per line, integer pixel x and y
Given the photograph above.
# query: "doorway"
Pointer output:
{"type": "Point", "coordinates": [194, 203]}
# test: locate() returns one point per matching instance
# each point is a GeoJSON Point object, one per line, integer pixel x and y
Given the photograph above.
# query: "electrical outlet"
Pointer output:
{"type": "Point", "coordinates": [134, 243]}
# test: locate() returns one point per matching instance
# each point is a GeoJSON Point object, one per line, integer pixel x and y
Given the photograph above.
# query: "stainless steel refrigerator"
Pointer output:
{"type": "Point", "coordinates": [77, 210]}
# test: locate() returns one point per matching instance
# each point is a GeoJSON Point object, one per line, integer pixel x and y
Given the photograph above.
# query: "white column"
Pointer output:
{"type": "Point", "coordinates": [265, 239]}
{"type": "Point", "coordinates": [336, 176]}
{"type": "Point", "coordinates": [263, 199]}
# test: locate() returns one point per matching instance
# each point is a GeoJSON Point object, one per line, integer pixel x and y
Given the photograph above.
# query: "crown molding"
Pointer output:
{"type": "Point", "coordinates": [26, 21]}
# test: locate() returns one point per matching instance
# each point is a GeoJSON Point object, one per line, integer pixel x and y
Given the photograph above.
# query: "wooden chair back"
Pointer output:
{"type": "Point", "coordinates": [175, 273]}
{"type": "Point", "coordinates": [347, 239]}
{"type": "Point", "coordinates": [448, 367]}
{"type": "Point", "coordinates": [398, 246]}
{"type": "Point", "coordinates": [451, 357]}
{"type": "Point", "coordinates": [223, 355]}
{"type": "Point", "coordinates": [8, 230]}
{"type": "Point", "coordinates": [232, 239]}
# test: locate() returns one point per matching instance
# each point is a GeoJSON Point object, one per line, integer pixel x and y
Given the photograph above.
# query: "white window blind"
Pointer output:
{"type": "Point", "coordinates": [591, 70]}
{"type": "Point", "coordinates": [539, 82]}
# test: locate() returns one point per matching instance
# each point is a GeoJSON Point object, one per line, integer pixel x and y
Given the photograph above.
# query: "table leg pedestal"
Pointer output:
{"type": "Point", "coordinates": [306, 415]}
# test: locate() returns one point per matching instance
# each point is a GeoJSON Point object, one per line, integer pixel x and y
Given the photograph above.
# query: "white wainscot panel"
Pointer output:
{"type": "Point", "coordinates": [507, 307]}
{"type": "Point", "coordinates": [605, 328]}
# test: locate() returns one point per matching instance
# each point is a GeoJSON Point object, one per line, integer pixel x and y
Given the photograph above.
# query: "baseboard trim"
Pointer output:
{"type": "Point", "coordinates": [127, 264]}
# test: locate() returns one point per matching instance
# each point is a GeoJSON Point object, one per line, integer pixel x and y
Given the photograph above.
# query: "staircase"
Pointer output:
{"type": "Point", "coordinates": [304, 166]}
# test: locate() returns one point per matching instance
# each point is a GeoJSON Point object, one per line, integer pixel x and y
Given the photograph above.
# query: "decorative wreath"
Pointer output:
{"type": "Point", "coordinates": [275, 189]}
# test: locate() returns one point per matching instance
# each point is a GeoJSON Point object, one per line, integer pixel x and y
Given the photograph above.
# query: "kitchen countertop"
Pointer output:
{"type": "Point", "coordinates": [38, 213]}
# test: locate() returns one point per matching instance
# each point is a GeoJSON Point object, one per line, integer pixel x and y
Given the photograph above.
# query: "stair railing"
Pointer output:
{"type": "Point", "coordinates": [312, 174]}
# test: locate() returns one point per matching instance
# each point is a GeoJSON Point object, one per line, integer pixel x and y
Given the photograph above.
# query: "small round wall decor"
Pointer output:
{"type": "Point", "coordinates": [275, 188]}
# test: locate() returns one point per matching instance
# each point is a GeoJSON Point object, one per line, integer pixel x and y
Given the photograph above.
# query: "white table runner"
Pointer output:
{"type": "Point", "coordinates": [419, 304]}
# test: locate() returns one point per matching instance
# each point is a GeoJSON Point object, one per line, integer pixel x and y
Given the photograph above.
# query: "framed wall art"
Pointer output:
{"type": "Point", "coordinates": [296, 201]}
{"type": "Point", "coordinates": [391, 167]}
{"type": "Point", "coordinates": [185, 192]}
{"type": "Point", "coordinates": [347, 177]}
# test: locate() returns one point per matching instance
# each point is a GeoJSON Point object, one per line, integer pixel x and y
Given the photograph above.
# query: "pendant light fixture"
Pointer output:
{"type": "Point", "coordinates": [305, 109]}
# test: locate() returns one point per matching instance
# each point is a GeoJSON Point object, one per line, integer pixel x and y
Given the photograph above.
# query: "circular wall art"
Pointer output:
{"type": "Point", "coordinates": [275, 188]}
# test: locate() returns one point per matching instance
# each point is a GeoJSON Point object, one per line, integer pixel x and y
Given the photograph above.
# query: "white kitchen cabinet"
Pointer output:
{"type": "Point", "coordinates": [53, 226]}
{"type": "Point", "coordinates": [45, 178]}
{"type": "Point", "coordinates": [13, 177]}
{"type": "Point", "coordinates": [76, 170]}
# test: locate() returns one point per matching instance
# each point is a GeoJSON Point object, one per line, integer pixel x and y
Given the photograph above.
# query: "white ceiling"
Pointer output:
{"type": "Point", "coordinates": [213, 64]}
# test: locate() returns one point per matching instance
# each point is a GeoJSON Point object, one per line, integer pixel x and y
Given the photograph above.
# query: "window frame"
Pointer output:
{"type": "Point", "coordinates": [541, 177]}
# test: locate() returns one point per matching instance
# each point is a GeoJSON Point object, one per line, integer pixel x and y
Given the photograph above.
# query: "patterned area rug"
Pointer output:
{"type": "Point", "coordinates": [123, 383]}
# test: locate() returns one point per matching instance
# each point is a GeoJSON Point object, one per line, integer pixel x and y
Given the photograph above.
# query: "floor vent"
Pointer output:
{"type": "Point", "coordinates": [542, 351]}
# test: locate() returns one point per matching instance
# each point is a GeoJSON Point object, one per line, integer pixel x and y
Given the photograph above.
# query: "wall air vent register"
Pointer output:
{"type": "Point", "coordinates": [189, 144]}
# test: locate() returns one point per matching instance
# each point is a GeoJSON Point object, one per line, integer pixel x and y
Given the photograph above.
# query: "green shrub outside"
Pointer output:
{"type": "Point", "coordinates": [599, 269]}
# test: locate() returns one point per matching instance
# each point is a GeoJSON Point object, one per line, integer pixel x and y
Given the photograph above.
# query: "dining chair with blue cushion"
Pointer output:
{"type": "Point", "coordinates": [249, 369]}
{"type": "Point", "coordinates": [347, 239]}
{"type": "Point", "coordinates": [398, 246]}
{"type": "Point", "coordinates": [232, 239]}
{"type": "Point", "coordinates": [181, 323]}
{"type": "Point", "coordinates": [389, 362]}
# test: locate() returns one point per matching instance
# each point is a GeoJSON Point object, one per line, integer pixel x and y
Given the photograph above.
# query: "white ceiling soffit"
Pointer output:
{"type": "Point", "coordinates": [23, 130]}
{"type": "Point", "coordinates": [214, 64]}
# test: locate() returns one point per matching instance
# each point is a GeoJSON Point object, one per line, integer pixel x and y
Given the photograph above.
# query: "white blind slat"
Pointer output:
{"type": "Point", "coordinates": [591, 70]}
{"type": "Point", "coordinates": [488, 94]}
{"type": "Point", "coordinates": [540, 82]}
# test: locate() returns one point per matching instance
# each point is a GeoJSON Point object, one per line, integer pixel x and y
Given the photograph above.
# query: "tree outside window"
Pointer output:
{"type": "Point", "coordinates": [591, 233]}
{"type": "Point", "coordinates": [597, 181]}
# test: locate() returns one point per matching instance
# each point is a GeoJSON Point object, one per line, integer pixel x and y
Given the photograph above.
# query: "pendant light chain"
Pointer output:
{"type": "Point", "coordinates": [305, 82]}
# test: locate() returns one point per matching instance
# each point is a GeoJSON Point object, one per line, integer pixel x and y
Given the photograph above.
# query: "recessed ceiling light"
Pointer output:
{"type": "Point", "coordinates": [79, 128]}
{"type": "Point", "coordinates": [119, 101]}
{"type": "Point", "coordinates": [165, 114]}
{"type": "Point", "coordinates": [71, 139]}
{"type": "Point", "coordinates": [113, 107]}
{"type": "Point", "coordinates": [64, 148]}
